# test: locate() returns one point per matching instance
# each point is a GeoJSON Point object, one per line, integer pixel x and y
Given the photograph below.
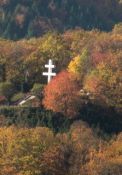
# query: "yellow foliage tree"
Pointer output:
{"type": "Point", "coordinates": [79, 65]}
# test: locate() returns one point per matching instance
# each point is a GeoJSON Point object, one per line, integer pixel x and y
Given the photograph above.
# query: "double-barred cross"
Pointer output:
{"type": "Point", "coordinates": [49, 74]}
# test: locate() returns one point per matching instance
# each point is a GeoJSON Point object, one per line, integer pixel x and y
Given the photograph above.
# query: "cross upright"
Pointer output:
{"type": "Point", "coordinates": [50, 74]}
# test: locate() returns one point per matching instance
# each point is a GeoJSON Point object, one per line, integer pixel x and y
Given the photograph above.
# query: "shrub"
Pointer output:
{"type": "Point", "coordinates": [17, 97]}
{"type": "Point", "coordinates": [38, 90]}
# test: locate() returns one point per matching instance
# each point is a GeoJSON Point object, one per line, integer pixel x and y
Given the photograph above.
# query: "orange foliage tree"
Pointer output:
{"type": "Point", "coordinates": [62, 94]}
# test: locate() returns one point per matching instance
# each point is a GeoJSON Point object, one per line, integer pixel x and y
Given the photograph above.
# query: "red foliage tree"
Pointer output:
{"type": "Point", "coordinates": [62, 94]}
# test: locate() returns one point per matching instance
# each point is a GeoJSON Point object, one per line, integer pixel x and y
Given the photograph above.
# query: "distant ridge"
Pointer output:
{"type": "Point", "coordinates": [28, 18]}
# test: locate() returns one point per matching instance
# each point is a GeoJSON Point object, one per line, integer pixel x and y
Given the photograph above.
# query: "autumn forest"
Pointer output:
{"type": "Point", "coordinates": [73, 124]}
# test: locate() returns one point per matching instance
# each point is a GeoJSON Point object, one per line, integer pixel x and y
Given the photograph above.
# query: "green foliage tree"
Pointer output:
{"type": "Point", "coordinates": [53, 46]}
{"type": "Point", "coordinates": [7, 90]}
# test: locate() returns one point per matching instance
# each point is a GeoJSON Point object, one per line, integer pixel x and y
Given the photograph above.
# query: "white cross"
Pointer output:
{"type": "Point", "coordinates": [50, 74]}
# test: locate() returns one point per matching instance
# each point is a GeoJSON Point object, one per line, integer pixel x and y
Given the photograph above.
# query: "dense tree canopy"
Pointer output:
{"type": "Point", "coordinates": [20, 19]}
{"type": "Point", "coordinates": [39, 151]}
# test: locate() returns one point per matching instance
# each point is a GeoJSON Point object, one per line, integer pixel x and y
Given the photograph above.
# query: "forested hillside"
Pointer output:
{"type": "Point", "coordinates": [27, 18]}
{"type": "Point", "coordinates": [88, 82]}
{"type": "Point", "coordinates": [39, 151]}
{"type": "Point", "coordinates": [71, 125]}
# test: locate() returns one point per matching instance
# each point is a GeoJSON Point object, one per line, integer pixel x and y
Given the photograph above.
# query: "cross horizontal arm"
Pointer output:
{"type": "Point", "coordinates": [49, 66]}
{"type": "Point", "coordinates": [53, 74]}
{"type": "Point", "coordinates": [49, 74]}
